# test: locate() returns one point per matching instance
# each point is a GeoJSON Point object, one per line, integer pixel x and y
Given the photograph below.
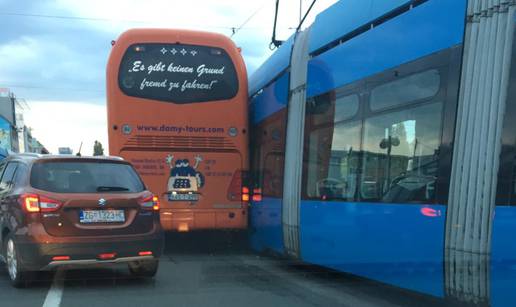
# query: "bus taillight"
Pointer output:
{"type": "Point", "coordinates": [245, 194]}
{"type": "Point", "coordinates": [237, 188]}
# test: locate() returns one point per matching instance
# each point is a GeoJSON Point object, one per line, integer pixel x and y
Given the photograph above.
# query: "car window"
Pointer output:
{"type": "Point", "coordinates": [2, 168]}
{"type": "Point", "coordinates": [20, 175]}
{"type": "Point", "coordinates": [85, 177]}
{"type": "Point", "coordinates": [7, 177]}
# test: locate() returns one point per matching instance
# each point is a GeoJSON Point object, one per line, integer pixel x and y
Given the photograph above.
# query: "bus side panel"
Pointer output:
{"type": "Point", "coordinates": [428, 28]}
{"type": "Point", "coordinates": [377, 241]}
{"type": "Point", "coordinates": [268, 118]}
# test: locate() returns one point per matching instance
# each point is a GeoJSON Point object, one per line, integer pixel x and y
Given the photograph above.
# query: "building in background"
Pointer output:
{"type": "Point", "coordinates": [15, 136]}
{"type": "Point", "coordinates": [37, 147]}
{"type": "Point", "coordinates": [8, 134]}
{"type": "Point", "coordinates": [65, 151]}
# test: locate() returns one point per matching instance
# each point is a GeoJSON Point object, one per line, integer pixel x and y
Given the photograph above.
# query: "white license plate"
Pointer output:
{"type": "Point", "coordinates": [101, 216]}
{"type": "Point", "coordinates": [183, 197]}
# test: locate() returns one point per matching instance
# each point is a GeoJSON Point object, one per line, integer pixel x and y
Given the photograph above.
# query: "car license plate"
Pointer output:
{"type": "Point", "coordinates": [101, 216]}
{"type": "Point", "coordinates": [183, 197]}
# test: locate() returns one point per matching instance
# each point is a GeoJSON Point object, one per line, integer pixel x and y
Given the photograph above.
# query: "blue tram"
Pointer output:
{"type": "Point", "coordinates": [383, 145]}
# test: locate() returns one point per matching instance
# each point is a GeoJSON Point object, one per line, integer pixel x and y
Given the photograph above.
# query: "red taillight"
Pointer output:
{"type": "Point", "coordinates": [150, 203]}
{"type": "Point", "coordinates": [60, 258]}
{"type": "Point", "coordinates": [245, 194]}
{"type": "Point", "coordinates": [155, 206]}
{"type": "Point", "coordinates": [257, 194]}
{"type": "Point", "coordinates": [106, 256]}
{"type": "Point", "coordinates": [145, 253]}
{"type": "Point", "coordinates": [33, 203]}
{"type": "Point", "coordinates": [30, 203]}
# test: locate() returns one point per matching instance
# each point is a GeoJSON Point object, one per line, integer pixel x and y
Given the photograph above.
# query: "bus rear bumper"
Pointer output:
{"type": "Point", "coordinates": [202, 219]}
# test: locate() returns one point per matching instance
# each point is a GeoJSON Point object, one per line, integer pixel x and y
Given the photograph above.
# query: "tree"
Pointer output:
{"type": "Point", "coordinates": [98, 150]}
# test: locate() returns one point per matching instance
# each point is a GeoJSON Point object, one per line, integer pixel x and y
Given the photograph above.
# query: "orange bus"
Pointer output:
{"type": "Point", "coordinates": [177, 110]}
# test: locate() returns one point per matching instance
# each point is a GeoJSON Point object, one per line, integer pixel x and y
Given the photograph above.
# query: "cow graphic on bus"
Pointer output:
{"type": "Point", "coordinates": [185, 180]}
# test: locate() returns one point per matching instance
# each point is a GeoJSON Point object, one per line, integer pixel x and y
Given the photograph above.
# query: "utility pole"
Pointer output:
{"type": "Point", "coordinates": [300, 10]}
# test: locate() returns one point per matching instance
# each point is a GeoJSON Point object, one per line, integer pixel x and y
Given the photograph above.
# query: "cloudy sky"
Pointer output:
{"type": "Point", "coordinates": [54, 53]}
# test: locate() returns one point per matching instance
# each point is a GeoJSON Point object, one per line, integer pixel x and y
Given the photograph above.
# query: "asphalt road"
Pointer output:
{"type": "Point", "coordinates": [208, 270]}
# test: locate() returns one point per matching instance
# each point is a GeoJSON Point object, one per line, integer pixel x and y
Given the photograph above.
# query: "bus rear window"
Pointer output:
{"type": "Point", "coordinates": [177, 73]}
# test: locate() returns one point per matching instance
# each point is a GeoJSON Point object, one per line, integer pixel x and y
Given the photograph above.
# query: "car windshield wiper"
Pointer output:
{"type": "Point", "coordinates": [108, 188]}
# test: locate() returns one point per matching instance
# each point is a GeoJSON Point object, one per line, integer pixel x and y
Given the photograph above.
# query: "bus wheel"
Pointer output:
{"type": "Point", "coordinates": [144, 269]}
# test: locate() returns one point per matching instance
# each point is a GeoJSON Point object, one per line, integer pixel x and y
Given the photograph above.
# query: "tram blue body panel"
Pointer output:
{"type": "Point", "coordinates": [393, 243]}
{"type": "Point", "coordinates": [428, 28]}
{"type": "Point", "coordinates": [266, 225]}
{"type": "Point", "coordinates": [267, 231]}
{"type": "Point", "coordinates": [273, 66]}
{"type": "Point", "coordinates": [503, 256]}
{"type": "Point", "coordinates": [273, 99]}
{"type": "Point", "coordinates": [345, 16]}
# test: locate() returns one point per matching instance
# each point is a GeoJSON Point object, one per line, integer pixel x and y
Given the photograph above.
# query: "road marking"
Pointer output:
{"type": "Point", "coordinates": [55, 293]}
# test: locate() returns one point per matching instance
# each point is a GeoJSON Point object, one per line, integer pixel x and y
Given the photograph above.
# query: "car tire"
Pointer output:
{"type": "Point", "coordinates": [17, 275]}
{"type": "Point", "coordinates": [144, 268]}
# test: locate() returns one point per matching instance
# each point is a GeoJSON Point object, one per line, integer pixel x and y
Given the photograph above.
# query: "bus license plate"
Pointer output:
{"type": "Point", "coordinates": [183, 197]}
{"type": "Point", "coordinates": [101, 216]}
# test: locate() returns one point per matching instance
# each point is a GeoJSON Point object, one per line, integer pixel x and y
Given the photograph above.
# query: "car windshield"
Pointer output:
{"type": "Point", "coordinates": [85, 177]}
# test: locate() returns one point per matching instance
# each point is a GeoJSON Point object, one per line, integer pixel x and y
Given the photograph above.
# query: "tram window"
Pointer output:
{"type": "Point", "coordinates": [414, 87]}
{"type": "Point", "coordinates": [273, 174]}
{"type": "Point", "coordinates": [326, 108]}
{"type": "Point", "coordinates": [400, 155]}
{"type": "Point", "coordinates": [332, 163]}
{"type": "Point", "coordinates": [346, 107]}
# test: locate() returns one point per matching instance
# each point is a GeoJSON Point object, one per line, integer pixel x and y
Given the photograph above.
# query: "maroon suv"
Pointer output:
{"type": "Point", "coordinates": [71, 211]}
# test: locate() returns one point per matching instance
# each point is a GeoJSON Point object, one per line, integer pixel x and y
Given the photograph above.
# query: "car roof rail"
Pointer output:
{"type": "Point", "coordinates": [115, 157]}
{"type": "Point", "coordinates": [28, 154]}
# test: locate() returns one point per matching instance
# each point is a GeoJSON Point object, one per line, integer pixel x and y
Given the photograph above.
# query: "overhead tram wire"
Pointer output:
{"type": "Point", "coordinates": [79, 18]}
{"type": "Point", "coordinates": [31, 87]}
{"type": "Point", "coordinates": [235, 30]}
